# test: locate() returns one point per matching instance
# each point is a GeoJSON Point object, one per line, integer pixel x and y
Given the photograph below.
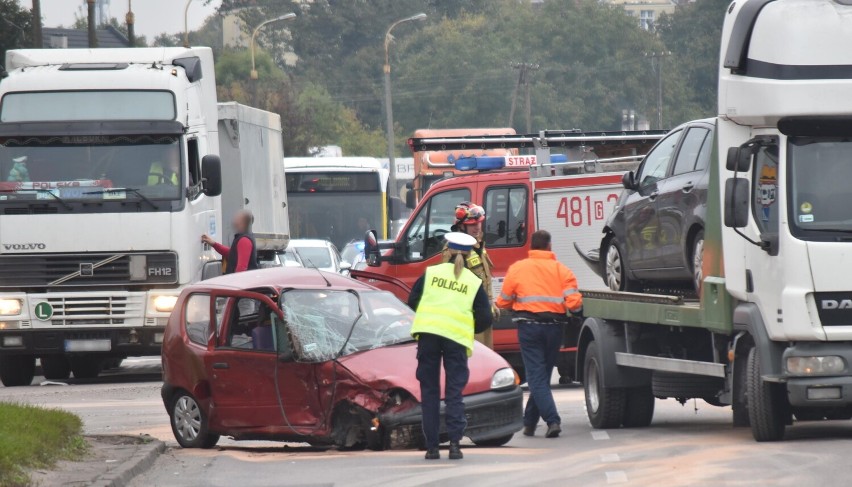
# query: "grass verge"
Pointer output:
{"type": "Point", "coordinates": [33, 437]}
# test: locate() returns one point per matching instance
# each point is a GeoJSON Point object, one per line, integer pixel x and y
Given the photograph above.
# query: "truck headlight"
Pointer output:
{"type": "Point", "coordinates": [827, 365]}
{"type": "Point", "coordinates": [10, 307]}
{"type": "Point", "coordinates": [503, 378]}
{"type": "Point", "coordinates": [165, 304]}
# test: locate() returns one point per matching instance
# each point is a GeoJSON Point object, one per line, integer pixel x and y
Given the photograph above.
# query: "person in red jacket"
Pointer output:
{"type": "Point", "coordinates": [242, 254]}
{"type": "Point", "coordinates": [543, 293]}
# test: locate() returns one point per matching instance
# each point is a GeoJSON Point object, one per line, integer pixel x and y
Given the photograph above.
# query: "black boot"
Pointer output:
{"type": "Point", "coordinates": [553, 430]}
{"type": "Point", "coordinates": [455, 451]}
{"type": "Point", "coordinates": [433, 454]}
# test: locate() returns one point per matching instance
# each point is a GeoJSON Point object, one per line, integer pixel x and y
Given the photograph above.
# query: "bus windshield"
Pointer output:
{"type": "Point", "coordinates": [90, 169]}
{"type": "Point", "coordinates": [337, 217]}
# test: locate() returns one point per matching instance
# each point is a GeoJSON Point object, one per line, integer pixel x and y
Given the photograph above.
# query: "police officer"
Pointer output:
{"type": "Point", "coordinates": [543, 294]}
{"type": "Point", "coordinates": [469, 219]}
{"type": "Point", "coordinates": [242, 254]}
{"type": "Point", "coordinates": [450, 304]}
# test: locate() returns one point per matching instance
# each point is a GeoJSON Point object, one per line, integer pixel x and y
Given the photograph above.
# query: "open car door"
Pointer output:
{"type": "Point", "coordinates": [384, 283]}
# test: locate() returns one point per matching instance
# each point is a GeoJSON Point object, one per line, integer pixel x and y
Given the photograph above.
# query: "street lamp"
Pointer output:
{"type": "Point", "coordinates": [254, 34]}
{"type": "Point", "coordinates": [186, 24]}
{"type": "Point", "coordinates": [392, 190]}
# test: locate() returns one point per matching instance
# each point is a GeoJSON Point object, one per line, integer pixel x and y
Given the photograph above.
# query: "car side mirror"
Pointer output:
{"type": "Point", "coordinates": [736, 202]}
{"type": "Point", "coordinates": [211, 175]}
{"type": "Point", "coordinates": [739, 159]}
{"type": "Point", "coordinates": [345, 267]}
{"type": "Point", "coordinates": [629, 180]}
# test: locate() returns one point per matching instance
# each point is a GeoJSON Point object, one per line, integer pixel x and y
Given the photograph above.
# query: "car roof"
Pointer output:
{"type": "Point", "coordinates": [308, 242]}
{"type": "Point", "coordinates": [280, 278]}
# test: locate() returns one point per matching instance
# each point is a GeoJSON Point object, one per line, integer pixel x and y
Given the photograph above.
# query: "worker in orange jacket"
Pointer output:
{"type": "Point", "coordinates": [543, 294]}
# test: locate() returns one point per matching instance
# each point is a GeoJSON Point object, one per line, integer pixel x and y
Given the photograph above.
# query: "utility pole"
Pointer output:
{"type": "Point", "coordinates": [657, 66]}
{"type": "Point", "coordinates": [130, 19]}
{"type": "Point", "coordinates": [93, 35]}
{"type": "Point", "coordinates": [524, 75]}
{"type": "Point", "coordinates": [37, 40]}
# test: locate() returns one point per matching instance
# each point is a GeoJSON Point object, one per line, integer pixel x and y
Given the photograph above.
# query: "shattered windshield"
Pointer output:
{"type": "Point", "coordinates": [319, 322]}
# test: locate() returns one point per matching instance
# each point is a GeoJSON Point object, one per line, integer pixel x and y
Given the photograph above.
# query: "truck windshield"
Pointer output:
{"type": "Point", "coordinates": [820, 205]}
{"type": "Point", "coordinates": [90, 169]}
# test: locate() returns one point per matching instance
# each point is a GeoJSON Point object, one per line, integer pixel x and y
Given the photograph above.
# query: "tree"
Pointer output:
{"type": "Point", "coordinates": [693, 33]}
{"type": "Point", "coordinates": [15, 27]}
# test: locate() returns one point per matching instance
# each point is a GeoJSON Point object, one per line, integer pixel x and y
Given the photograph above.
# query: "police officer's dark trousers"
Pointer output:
{"type": "Point", "coordinates": [431, 349]}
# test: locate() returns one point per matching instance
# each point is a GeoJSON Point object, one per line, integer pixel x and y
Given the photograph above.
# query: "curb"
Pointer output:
{"type": "Point", "coordinates": [125, 472]}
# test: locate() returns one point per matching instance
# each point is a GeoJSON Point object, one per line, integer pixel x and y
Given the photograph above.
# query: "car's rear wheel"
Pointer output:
{"type": "Point", "coordinates": [189, 423]}
{"type": "Point", "coordinates": [698, 261]}
{"type": "Point", "coordinates": [616, 274]}
{"type": "Point", "coordinates": [55, 367]}
{"type": "Point", "coordinates": [494, 442]}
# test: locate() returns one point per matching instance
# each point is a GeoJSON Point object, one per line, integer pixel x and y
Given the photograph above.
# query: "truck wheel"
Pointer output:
{"type": "Point", "coordinates": [767, 405]}
{"type": "Point", "coordinates": [604, 406]}
{"type": "Point", "coordinates": [85, 367]}
{"type": "Point", "coordinates": [616, 274]}
{"type": "Point", "coordinates": [639, 407]}
{"type": "Point", "coordinates": [685, 386]}
{"type": "Point", "coordinates": [189, 423]}
{"type": "Point", "coordinates": [55, 367]}
{"type": "Point", "coordinates": [17, 370]}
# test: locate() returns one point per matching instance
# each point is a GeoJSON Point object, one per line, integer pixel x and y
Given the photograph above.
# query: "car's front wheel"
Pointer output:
{"type": "Point", "coordinates": [615, 268]}
{"type": "Point", "coordinates": [189, 423]}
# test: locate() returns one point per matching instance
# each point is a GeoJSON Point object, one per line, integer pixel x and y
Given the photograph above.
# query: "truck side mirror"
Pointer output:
{"type": "Point", "coordinates": [410, 201]}
{"type": "Point", "coordinates": [628, 180]}
{"type": "Point", "coordinates": [736, 202]}
{"type": "Point", "coordinates": [394, 208]}
{"type": "Point", "coordinates": [371, 249]}
{"type": "Point", "coordinates": [211, 175]}
{"type": "Point", "coordinates": [739, 159]}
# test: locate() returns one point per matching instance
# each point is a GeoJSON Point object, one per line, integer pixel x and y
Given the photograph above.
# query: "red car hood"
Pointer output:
{"type": "Point", "coordinates": [395, 367]}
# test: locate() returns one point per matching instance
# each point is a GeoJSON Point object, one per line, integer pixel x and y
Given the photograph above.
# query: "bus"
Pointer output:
{"type": "Point", "coordinates": [338, 198]}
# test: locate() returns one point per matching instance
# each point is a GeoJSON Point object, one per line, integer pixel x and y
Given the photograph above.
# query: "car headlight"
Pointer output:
{"type": "Point", "coordinates": [165, 304]}
{"type": "Point", "coordinates": [10, 307]}
{"type": "Point", "coordinates": [503, 378]}
{"type": "Point", "coordinates": [827, 365]}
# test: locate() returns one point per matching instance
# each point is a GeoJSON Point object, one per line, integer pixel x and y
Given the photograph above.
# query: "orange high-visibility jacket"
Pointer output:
{"type": "Point", "coordinates": [540, 284]}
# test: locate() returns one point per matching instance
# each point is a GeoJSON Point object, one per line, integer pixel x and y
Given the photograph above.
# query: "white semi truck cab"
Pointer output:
{"type": "Point", "coordinates": [109, 174]}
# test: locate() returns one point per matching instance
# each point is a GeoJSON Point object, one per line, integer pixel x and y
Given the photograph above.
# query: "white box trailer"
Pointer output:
{"type": "Point", "coordinates": [251, 149]}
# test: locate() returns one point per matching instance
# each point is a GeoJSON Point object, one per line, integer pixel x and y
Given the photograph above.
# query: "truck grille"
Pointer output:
{"type": "Point", "coordinates": [90, 269]}
{"type": "Point", "coordinates": [96, 310]}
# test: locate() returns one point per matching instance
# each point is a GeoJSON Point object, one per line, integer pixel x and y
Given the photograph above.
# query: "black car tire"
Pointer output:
{"type": "Point", "coordinates": [639, 407]}
{"type": "Point", "coordinates": [17, 370]}
{"type": "Point", "coordinates": [55, 367]}
{"type": "Point", "coordinates": [189, 423]}
{"type": "Point", "coordinates": [494, 442]}
{"type": "Point", "coordinates": [604, 405]}
{"type": "Point", "coordinates": [768, 409]}
{"type": "Point", "coordinates": [616, 273]}
{"type": "Point", "coordinates": [86, 367]}
{"type": "Point", "coordinates": [696, 261]}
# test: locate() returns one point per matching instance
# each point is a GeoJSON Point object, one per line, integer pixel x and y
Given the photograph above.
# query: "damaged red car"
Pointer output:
{"type": "Point", "coordinates": [298, 355]}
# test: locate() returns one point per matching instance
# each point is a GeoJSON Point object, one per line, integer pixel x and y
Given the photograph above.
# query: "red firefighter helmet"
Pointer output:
{"type": "Point", "coordinates": [468, 213]}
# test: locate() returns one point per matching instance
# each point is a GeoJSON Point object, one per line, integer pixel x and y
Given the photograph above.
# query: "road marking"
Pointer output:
{"type": "Point", "coordinates": [610, 458]}
{"type": "Point", "coordinates": [616, 477]}
{"type": "Point", "coordinates": [600, 435]}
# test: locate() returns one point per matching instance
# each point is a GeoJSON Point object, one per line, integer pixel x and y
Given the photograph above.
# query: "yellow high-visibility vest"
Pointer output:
{"type": "Point", "coordinates": [446, 306]}
{"type": "Point", "coordinates": [157, 175]}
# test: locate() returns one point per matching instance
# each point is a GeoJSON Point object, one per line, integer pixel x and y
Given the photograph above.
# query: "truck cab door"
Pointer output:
{"type": "Point", "coordinates": [642, 231]}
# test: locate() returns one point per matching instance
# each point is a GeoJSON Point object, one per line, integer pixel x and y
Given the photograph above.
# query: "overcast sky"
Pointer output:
{"type": "Point", "coordinates": [152, 16]}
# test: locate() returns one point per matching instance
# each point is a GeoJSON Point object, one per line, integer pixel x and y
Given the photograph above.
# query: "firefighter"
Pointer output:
{"type": "Point", "coordinates": [451, 305]}
{"type": "Point", "coordinates": [543, 293]}
{"type": "Point", "coordinates": [470, 219]}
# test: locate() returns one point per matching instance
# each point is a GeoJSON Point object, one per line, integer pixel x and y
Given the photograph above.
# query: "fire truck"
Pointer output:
{"type": "Point", "coordinates": [569, 193]}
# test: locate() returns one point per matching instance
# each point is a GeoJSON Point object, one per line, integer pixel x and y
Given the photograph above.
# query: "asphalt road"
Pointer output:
{"type": "Point", "coordinates": [684, 446]}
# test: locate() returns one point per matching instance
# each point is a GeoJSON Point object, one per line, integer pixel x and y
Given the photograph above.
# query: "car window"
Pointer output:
{"type": "Point", "coordinates": [765, 192]}
{"type": "Point", "coordinates": [197, 318]}
{"type": "Point", "coordinates": [506, 209]}
{"type": "Point", "coordinates": [249, 326]}
{"type": "Point", "coordinates": [692, 145]}
{"type": "Point", "coordinates": [317, 257]}
{"type": "Point", "coordinates": [656, 163]}
{"type": "Point", "coordinates": [706, 152]}
{"type": "Point", "coordinates": [425, 236]}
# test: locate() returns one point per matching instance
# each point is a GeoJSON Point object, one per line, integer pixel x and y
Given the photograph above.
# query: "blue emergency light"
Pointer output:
{"type": "Point", "coordinates": [488, 163]}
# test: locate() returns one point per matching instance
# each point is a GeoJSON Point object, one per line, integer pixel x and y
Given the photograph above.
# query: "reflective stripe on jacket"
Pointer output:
{"type": "Point", "coordinates": [446, 307]}
{"type": "Point", "coordinates": [157, 175]}
{"type": "Point", "coordinates": [540, 284]}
